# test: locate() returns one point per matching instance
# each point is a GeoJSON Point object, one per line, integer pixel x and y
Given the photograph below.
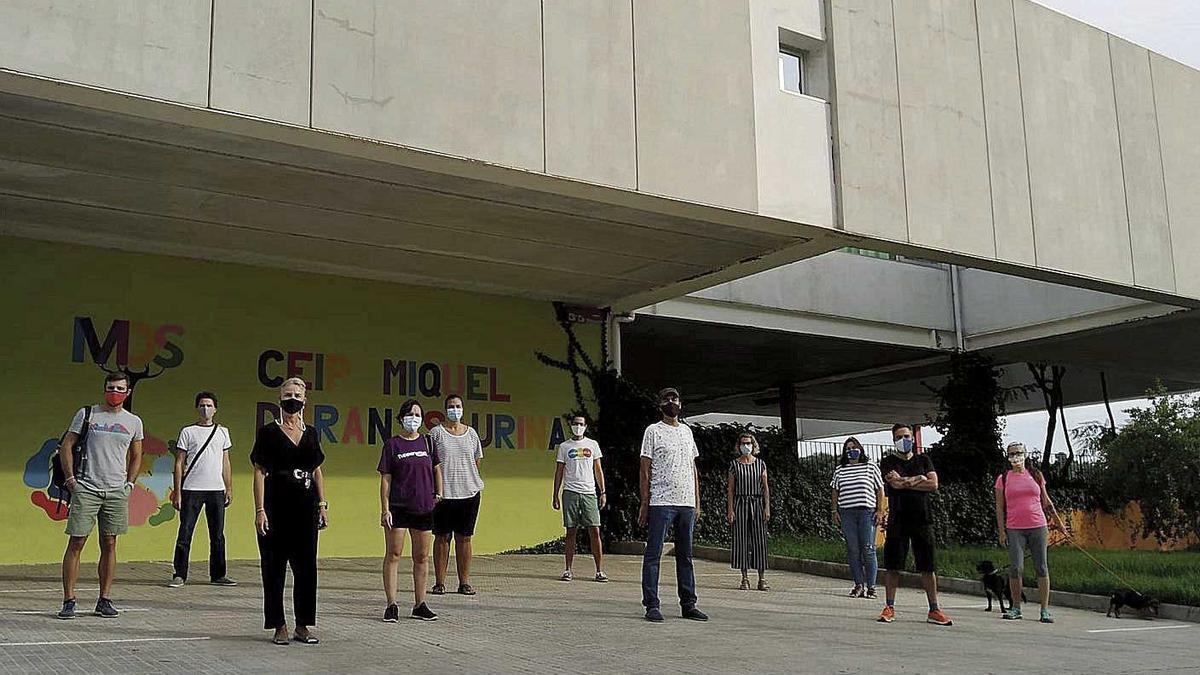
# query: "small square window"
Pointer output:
{"type": "Point", "coordinates": [791, 70]}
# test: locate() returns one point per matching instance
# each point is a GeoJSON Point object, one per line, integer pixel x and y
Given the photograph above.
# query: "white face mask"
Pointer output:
{"type": "Point", "coordinates": [1016, 460]}
{"type": "Point", "coordinates": [578, 429]}
{"type": "Point", "coordinates": [746, 448]}
{"type": "Point", "coordinates": [903, 445]}
{"type": "Point", "coordinates": [206, 411]}
{"type": "Point", "coordinates": [455, 414]}
{"type": "Point", "coordinates": [411, 422]}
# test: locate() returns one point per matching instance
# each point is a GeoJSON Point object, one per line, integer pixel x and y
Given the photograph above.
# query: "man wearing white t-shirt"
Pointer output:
{"type": "Point", "coordinates": [577, 474]}
{"type": "Point", "coordinates": [203, 479]}
{"type": "Point", "coordinates": [670, 492]}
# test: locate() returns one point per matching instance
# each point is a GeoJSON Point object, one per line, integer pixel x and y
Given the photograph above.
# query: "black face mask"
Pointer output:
{"type": "Point", "coordinates": [670, 409]}
{"type": "Point", "coordinates": [291, 406]}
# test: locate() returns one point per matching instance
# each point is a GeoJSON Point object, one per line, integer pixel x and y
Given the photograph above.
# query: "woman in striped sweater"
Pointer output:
{"type": "Point", "coordinates": [749, 509]}
{"type": "Point", "coordinates": [858, 508]}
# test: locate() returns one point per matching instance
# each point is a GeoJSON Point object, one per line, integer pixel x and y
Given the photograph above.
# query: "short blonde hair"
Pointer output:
{"type": "Point", "coordinates": [293, 381]}
{"type": "Point", "coordinates": [753, 441]}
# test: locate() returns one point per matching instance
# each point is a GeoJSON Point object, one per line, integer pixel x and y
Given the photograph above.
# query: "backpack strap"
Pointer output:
{"type": "Point", "coordinates": [197, 457]}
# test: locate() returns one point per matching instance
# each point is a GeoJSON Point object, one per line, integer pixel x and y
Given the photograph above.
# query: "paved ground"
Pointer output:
{"type": "Point", "coordinates": [524, 620]}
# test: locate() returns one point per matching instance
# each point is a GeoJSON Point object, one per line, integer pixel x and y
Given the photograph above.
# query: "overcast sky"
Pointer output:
{"type": "Point", "coordinates": [1171, 28]}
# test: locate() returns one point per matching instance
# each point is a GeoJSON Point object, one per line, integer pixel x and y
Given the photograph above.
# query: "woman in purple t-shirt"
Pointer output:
{"type": "Point", "coordinates": [1022, 505]}
{"type": "Point", "coordinates": [410, 484]}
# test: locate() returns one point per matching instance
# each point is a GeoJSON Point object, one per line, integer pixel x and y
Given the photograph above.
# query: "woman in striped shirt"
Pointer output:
{"type": "Point", "coordinates": [749, 509]}
{"type": "Point", "coordinates": [858, 508]}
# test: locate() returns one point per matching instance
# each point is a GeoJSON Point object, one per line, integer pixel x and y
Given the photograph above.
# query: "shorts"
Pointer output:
{"type": "Point", "coordinates": [402, 518]}
{"type": "Point", "coordinates": [109, 507]}
{"type": "Point", "coordinates": [1033, 539]}
{"type": "Point", "coordinates": [580, 510]}
{"type": "Point", "coordinates": [895, 546]}
{"type": "Point", "coordinates": [456, 516]}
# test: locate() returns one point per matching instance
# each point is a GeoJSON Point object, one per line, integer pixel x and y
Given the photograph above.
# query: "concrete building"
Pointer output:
{"type": "Point", "coordinates": [384, 196]}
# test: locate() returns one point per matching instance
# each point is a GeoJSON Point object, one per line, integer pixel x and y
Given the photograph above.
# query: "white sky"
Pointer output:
{"type": "Point", "coordinates": [1171, 28]}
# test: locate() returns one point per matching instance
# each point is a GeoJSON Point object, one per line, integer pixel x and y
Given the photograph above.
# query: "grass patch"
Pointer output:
{"type": "Point", "coordinates": [1171, 577]}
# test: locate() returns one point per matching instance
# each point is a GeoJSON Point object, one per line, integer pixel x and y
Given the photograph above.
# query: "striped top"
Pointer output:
{"type": "Point", "coordinates": [747, 477]}
{"type": "Point", "coordinates": [460, 476]}
{"type": "Point", "coordinates": [857, 485]}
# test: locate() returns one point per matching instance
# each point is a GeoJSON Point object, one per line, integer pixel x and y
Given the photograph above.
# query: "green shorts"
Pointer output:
{"type": "Point", "coordinates": [580, 510]}
{"type": "Point", "coordinates": [110, 507]}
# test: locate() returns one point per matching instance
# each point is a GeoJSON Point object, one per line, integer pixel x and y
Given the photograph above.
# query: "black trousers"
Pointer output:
{"type": "Point", "coordinates": [289, 541]}
{"type": "Point", "coordinates": [213, 503]}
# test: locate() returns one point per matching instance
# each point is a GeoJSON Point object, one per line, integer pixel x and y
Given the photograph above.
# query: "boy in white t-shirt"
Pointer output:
{"type": "Point", "coordinates": [578, 474]}
{"type": "Point", "coordinates": [203, 479]}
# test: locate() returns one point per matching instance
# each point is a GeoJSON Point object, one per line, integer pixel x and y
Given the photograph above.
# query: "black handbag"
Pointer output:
{"type": "Point", "coordinates": [58, 475]}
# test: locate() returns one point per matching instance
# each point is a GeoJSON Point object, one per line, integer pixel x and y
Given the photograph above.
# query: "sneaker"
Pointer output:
{"type": "Point", "coordinates": [888, 614]}
{"type": "Point", "coordinates": [1012, 614]}
{"type": "Point", "coordinates": [856, 592]}
{"type": "Point", "coordinates": [104, 608]}
{"type": "Point", "coordinates": [939, 617]}
{"type": "Point", "coordinates": [68, 609]}
{"type": "Point", "coordinates": [601, 577]}
{"type": "Point", "coordinates": [653, 614]}
{"type": "Point", "coordinates": [1045, 618]}
{"type": "Point", "coordinates": [423, 613]}
{"type": "Point", "coordinates": [566, 576]}
{"type": "Point", "coordinates": [176, 582]}
{"type": "Point", "coordinates": [870, 594]}
{"type": "Point", "coordinates": [694, 614]}
{"type": "Point", "coordinates": [391, 614]}
{"type": "Point", "coordinates": [223, 581]}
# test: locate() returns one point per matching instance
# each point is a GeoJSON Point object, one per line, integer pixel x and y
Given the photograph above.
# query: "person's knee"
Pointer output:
{"type": "Point", "coordinates": [108, 543]}
{"type": "Point", "coordinates": [1015, 572]}
{"type": "Point", "coordinates": [75, 544]}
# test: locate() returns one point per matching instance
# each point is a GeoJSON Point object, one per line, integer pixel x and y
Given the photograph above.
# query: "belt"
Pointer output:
{"type": "Point", "coordinates": [300, 476]}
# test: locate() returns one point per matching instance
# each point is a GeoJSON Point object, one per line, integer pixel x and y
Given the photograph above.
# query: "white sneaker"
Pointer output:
{"type": "Point", "coordinates": [176, 582]}
{"type": "Point", "coordinates": [566, 576]}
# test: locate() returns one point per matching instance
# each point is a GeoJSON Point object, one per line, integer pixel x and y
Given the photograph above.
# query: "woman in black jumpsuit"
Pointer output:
{"type": "Point", "coordinates": [289, 497]}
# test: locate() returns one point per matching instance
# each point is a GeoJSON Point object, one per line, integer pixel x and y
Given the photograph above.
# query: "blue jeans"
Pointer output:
{"type": "Point", "coordinates": [858, 524]}
{"type": "Point", "coordinates": [683, 518]}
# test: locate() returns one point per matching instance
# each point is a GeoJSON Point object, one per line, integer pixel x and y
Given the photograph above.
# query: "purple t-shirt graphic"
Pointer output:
{"type": "Point", "coordinates": [411, 467]}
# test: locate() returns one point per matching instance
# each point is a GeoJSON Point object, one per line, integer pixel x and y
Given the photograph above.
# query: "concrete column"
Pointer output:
{"type": "Point", "coordinates": [787, 413]}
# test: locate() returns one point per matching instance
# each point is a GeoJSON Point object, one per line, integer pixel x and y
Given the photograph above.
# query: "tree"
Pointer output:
{"type": "Point", "coordinates": [1154, 460]}
{"type": "Point", "coordinates": [970, 407]}
{"type": "Point", "coordinates": [1052, 393]}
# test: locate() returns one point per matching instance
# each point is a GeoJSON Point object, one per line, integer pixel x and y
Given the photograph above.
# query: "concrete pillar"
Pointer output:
{"type": "Point", "coordinates": [787, 413]}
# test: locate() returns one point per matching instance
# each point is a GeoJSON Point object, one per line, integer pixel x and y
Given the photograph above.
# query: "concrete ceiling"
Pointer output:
{"type": "Point", "coordinates": [106, 169]}
{"type": "Point", "coordinates": [737, 370]}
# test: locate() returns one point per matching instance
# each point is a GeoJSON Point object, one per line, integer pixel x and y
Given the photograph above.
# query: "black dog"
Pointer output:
{"type": "Point", "coordinates": [995, 584]}
{"type": "Point", "coordinates": [1132, 599]}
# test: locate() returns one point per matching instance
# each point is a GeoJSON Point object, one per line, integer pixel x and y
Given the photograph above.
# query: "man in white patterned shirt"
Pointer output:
{"type": "Point", "coordinates": [670, 492]}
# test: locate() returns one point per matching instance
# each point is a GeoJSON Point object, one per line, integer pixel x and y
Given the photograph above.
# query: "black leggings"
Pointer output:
{"type": "Point", "coordinates": [289, 541]}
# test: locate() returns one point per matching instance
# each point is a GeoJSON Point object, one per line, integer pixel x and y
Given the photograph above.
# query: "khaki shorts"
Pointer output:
{"type": "Point", "coordinates": [580, 510]}
{"type": "Point", "coordinates": [110, 507]}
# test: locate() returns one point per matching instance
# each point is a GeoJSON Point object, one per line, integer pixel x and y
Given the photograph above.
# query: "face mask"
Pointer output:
{"type": "Point", "coordinates": [670, 409]}
{"type": "Point", "coordinates": [746, 448]}
{"type": "Point", "coordinates": [411, 422]}
{"type": "Point", "coordinates": [455, 414]}
{"type": "Point", "coordinates": [903, 446]}
{"type": "Point", "coordinates": [291, 406]}
{"type": "Point", "coordinates": [115, 398]}
{"type": "Point", "coordinates": [854, 454]}
{"type": "Point", "coordinates": [1016, 460]}
{"type": "Point", "coordinates": [578, 429]}
{"type": "Point", "coordinates": [206, 411]}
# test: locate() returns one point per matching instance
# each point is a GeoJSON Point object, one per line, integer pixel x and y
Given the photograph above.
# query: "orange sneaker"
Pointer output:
{"type": "Point", "coordinates": [888, 614]}
{"type": "Point", "coordinates": [938, 617]}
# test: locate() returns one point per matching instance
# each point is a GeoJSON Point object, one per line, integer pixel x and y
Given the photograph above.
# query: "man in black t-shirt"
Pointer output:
{"type": "Point", "coordinates": [910, 479]}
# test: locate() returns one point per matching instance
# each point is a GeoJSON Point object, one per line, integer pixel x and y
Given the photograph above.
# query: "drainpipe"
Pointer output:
{"type": "Point", "coordinates": [956, 302]}
{"type": "Point", "coordinates": [614, 337]}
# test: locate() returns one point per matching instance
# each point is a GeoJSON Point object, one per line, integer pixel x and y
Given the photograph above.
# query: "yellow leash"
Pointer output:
{"type": "Point", "coordinates": [1101, 565]}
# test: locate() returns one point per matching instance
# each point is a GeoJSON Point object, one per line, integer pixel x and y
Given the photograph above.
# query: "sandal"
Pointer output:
{"type": "Point", "coordinates": [763, 585]}
{"type": "Point", "coordinates": [871, 593]}
{"type": "Point", "coordinates": [856, 592]}
{"type": "Point", "coordinates": [465, 589]}
{"type": "Point", "coordinates": [745, 584]}
{"type": "Point", "coordinates": [438, 589]}
{"type": "Point", "coordinates": [280, 638]}
{"type": "Point", "coordinates": [308, 639]}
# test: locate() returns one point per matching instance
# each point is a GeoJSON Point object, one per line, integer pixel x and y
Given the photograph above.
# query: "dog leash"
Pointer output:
{"type": "Point", "coordinates": [1102, 566]}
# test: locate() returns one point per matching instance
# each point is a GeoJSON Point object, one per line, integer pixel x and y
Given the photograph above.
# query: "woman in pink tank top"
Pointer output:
{"type": "Point", "coordinates": [1022, 505]}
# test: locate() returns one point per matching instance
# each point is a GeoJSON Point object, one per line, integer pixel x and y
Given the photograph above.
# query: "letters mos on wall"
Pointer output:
{"type": "Point", "coordinates": [182, 326]}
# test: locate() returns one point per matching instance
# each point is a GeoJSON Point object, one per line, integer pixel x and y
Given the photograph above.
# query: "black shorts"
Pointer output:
{"type": "Point", "coordinates": [895, 546]}
{"type": "Point", "coordinates": [456, 516]}
{"type": "Point", "coordinates": [405, 519]}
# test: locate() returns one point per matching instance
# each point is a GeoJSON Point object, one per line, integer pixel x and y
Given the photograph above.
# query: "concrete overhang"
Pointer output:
{"type": "Point", "coordinates": [96, 167]}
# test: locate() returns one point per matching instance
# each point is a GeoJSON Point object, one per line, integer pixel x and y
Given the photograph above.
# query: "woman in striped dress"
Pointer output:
{"type": "Point", "coordinates": [749, 502]}
{"type": "Point", "coordinates": [858, 508]}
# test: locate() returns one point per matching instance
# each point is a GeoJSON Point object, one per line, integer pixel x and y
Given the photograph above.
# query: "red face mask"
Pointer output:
{"type": "Point", "coordinates": [115, 398]}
